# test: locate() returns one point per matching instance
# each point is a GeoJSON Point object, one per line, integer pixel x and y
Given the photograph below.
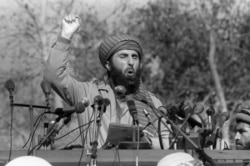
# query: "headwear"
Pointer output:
{"type": "Point", "coordinates": [28, 161]}
{"type": "Point", "coordinates": [243, 116]}
{"type": "Point", "coordinates": [176, 159]}
{"type": "Point", "coordinates": [116, 43]}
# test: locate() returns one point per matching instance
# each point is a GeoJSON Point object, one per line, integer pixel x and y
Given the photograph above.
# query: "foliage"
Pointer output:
{"type": "Point", "coordinates": [176, 35]}
{"type": "Point", "coordinates": [175, 39]}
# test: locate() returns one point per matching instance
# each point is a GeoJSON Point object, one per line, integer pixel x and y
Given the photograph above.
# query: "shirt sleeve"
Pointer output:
{"type": "Point", "coordinates": [55, 72]}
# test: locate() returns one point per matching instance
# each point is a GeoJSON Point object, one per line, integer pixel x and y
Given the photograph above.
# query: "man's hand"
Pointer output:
{"type": "Point", "coordinates": [70, 24]}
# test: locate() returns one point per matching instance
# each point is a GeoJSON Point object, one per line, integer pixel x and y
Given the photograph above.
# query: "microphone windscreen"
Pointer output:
{"type": "Point", "coordinates": [210, 111]}
{"type": "Point", "coordinates": [10, 85]}
{"type": "Point", "coordinates": [106, 101]}
{"type": "Point", "coordinates": [46, 87]}
{"type": "Point", "coordinates": [195, 120]}
{"type": "Point", "coordinates": [85, 101]}
{"type": "Point", "coordinates": [163, 110]}
{"type": "Point", "coordinates": [120, 90]}
{"type": "Point", "coordinates": [80, 107]}
{"type": "Point", "coordinates": [133, 111]}
{"type": "Point", "coordinates": [98, 100]}
{"type": "Point", "coordinates": [131, 106]}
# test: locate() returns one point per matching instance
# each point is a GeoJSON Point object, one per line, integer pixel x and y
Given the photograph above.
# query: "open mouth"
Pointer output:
{"type": "Point", "coordinates": [130, 72]}
{"type": "Point", "coordinates": [239, 145]}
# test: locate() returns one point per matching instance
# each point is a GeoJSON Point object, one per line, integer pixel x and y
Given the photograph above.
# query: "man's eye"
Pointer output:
{"type": "Point", "coordinates": [135, 56]}
{"type": "Point", "coordinates": [241, 131]}
{"type": "Point", "coordinates": [122, 56]}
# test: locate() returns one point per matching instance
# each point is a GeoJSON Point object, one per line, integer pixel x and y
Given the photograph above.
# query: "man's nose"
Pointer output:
{"type": "Point", "coordinates": [130, 60]}
{"type": "Point", "coordinates": [237, 136]}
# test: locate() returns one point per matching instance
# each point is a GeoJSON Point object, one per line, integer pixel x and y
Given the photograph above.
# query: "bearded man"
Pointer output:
{"type": "Point", "coordinates": [242, 136]}
{"type": "Point", "coordinates": [121, 56]}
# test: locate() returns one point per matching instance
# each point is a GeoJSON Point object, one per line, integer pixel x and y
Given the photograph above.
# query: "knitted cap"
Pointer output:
{"type": "Point", "coordinates": [176, 159]}
{"type": "Point", "coordinates": [243, 116]}
{"type": "Point", "coordinates": [116, 43]}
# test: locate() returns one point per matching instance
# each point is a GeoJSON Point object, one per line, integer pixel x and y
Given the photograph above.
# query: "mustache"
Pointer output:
{"type": "Point", "coordinates": [129, 69]}
{"type": "Point", "coordinates": [238, 142]}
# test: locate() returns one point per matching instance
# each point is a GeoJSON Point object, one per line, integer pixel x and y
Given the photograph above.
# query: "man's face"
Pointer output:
{"type": "Point", "coordinates": [125, 69]}
{"type": "Point", "coordinates": [242, 136]}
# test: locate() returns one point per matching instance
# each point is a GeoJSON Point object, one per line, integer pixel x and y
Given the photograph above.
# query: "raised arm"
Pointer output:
{"type": "Point", "coordinates": [56, 64]}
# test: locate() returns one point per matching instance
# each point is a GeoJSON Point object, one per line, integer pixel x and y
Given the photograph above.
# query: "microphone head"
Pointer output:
{"type": "Point", "coordinates": [163, 110]}
{"type": "Point", "coordinates": [184, 110]}
{"type": "Point", "coordinates": [10, 85]}
{"type": "Point", "coordinates": [80, 107]}
{"type": "Point", "coordinates": [133, 111]}
{"type": "Point", "coordinates": [195, 120]}
{"type": "Point", "coordinates": [106, 101]}
{"type": "Point", "coordinates": [85, 101]}
{"type": "Point", "coordinates": [210, 111]}
{"type": "Point", "coordinates": [120, 90]}
{"type": "Point", "coordinates": [98, 100]}
{"type": "Point", "coordinates": [46, 87]}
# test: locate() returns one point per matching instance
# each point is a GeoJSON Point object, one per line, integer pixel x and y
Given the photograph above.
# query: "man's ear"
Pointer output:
{"type": "Point", "coordinates": [107, 65]}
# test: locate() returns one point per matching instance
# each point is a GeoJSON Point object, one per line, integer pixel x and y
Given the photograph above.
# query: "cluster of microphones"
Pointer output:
{"type": "Point", "coordinates": [177, 115]}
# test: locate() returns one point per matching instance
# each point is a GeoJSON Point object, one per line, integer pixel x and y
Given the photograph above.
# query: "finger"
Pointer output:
{"type": "Point", "coordinates": [69, 18]}
{"type": "Point", "coordinates": [66, 18]}
{"type": "Point", "coordinates": [73, 17]}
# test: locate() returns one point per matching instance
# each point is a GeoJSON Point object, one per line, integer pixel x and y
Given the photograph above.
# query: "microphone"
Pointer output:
{"type": "Point", "coordinates": [132, 109]}
{"type": "Point", "coordinates": [49, 137]}
{"type": "Point", "coordinates": [120, 91]}
{"type": "Point", "coordinates": [98, 103]}
{"type": "Point", "coordinates": [210, 112]}
{"type": "Point", "coordinates": [46, 87]}
{"type": "Point", "coordinates": [162, 109]}
{"type": "Point", "coordinates": [150, 122]}
{"type": "Point", "coordinates": [78, 108]}
{"type": "Point", "coordinates": [98, 100]}
{"type": "Point", "coordinates": [181, 113]}
{"type": "Point", "coordinates": [10, 86]}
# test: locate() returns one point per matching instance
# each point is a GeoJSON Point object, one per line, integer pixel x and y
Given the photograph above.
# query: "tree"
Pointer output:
{"type": "Point", "coordinates": [196, 48]}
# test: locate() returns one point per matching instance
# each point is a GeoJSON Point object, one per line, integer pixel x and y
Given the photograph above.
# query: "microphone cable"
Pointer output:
{"type": "Point", "coordinates": [36, 121]}
{"type": "Point", "coordinates": [117, 154]}
{"type": "Point", "coordinates": [48, 135]}
{"type": "Point", "coordinates": [58, 138]}
{"type": "Point", "coordinates": [83, 141]}
{"type": "Point", "coordinates": [36, 124]}
{"type": "Point", "coordinates": [177, 133]}
{"type": "Point", "coordinates": [159, 134]}
{"type": "Point", "coordinates": [138, 144]}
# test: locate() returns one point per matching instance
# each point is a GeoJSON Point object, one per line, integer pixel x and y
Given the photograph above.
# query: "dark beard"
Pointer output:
{"type": "Point", "coordinates": [131, 83]}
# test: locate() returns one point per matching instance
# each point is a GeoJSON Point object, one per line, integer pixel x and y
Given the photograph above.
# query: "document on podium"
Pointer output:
{"type": "Point", "coordinates": [120, 133]}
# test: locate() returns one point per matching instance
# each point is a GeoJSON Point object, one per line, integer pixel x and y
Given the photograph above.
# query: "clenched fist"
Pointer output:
{"type": "Point", "coordinates": [70, 24]}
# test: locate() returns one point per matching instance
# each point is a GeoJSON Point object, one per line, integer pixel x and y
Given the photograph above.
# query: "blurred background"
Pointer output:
{"type": "Point", "coordinates": [197, 52]}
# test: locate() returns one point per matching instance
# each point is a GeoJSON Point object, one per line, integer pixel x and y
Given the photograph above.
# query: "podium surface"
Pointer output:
{"type": "Point", "coordinates": [126, 157]}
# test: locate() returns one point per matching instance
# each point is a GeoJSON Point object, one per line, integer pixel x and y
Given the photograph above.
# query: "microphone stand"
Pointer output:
{"type": "Point", "coordinates": [99, 105]}
{"type": "Point", "coordinates": [175, 141]}
{"type": "Point", "coordinates": [199, 150]}
{"type": "Point", "coordinates": [43, 141]}
{"type": "Point", "coordinates": [11, 111]}
{"type": "Point", "coordinates": [94, 144]}
{"type": "Point", "coordinates": [30, 106]}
